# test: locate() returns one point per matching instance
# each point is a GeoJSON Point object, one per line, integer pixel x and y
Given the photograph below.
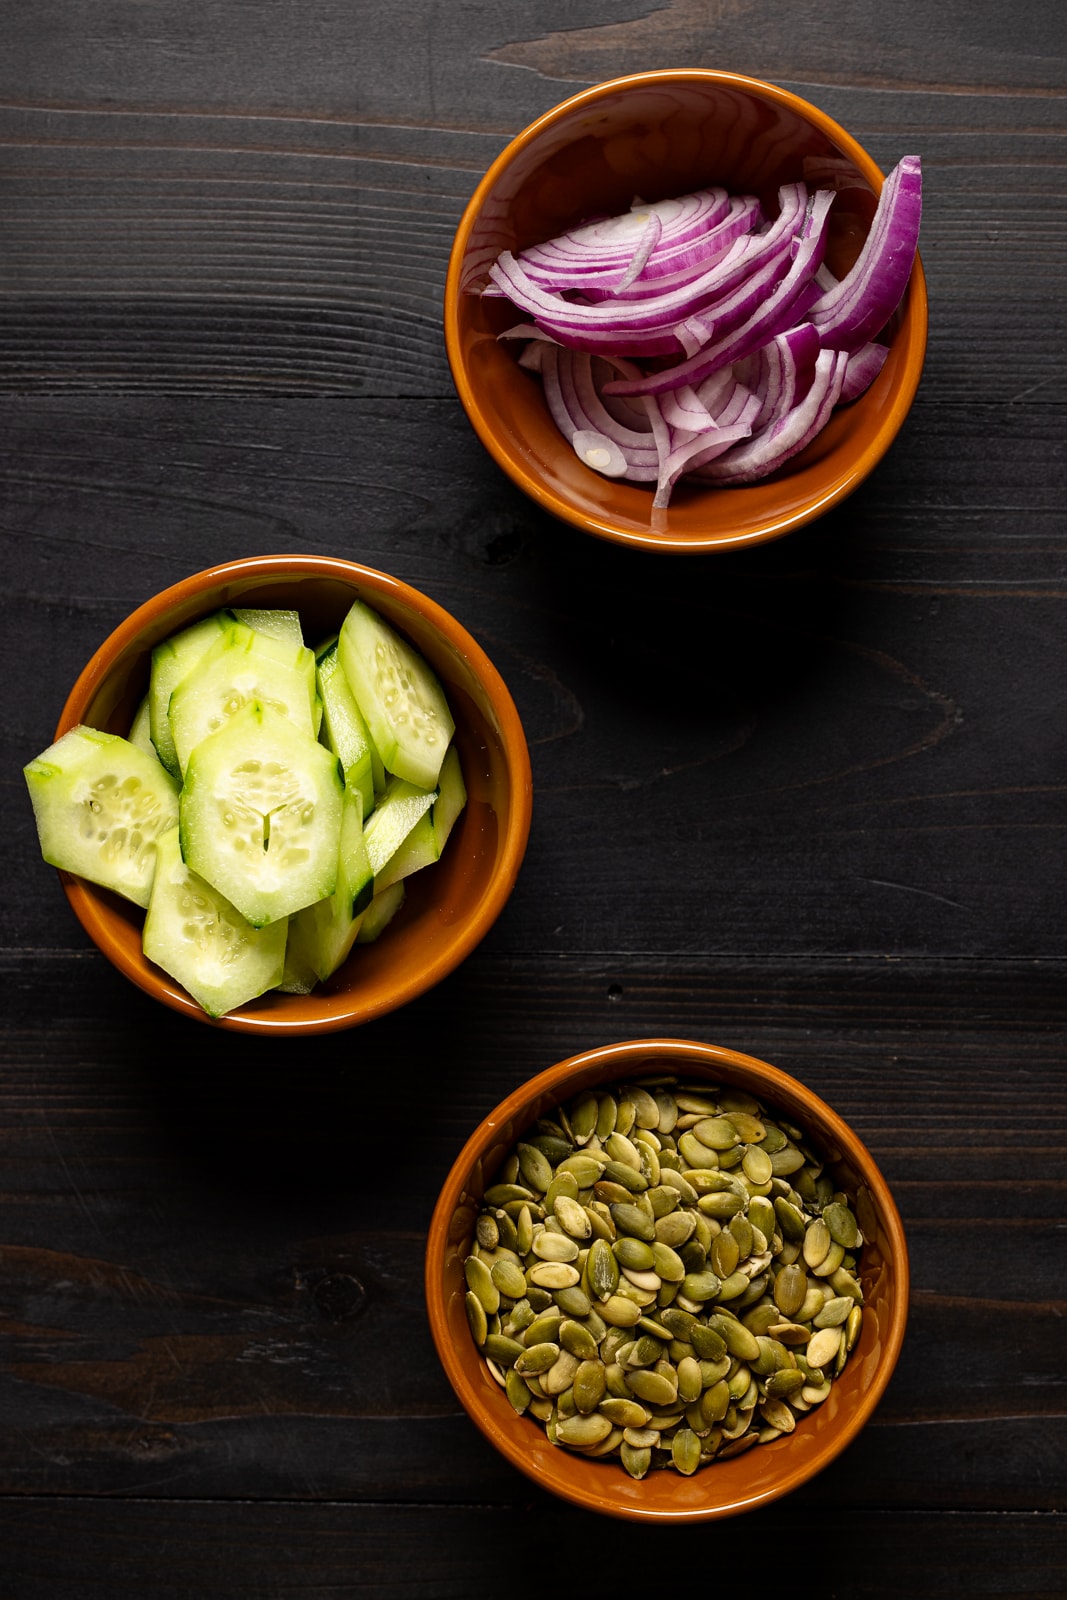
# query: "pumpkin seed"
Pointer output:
{"type": "Point", "coordinates": [605, 1255]}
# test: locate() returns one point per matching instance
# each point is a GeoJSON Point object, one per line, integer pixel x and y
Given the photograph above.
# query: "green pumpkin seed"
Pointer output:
{"type": "Point", "coordinates": [834, 1312]}
{"type": "Point", "coordinates": [582, 1117]}
{"type": "Point", "coordinates": [636, 1461]}
{"type": "Point", "coordinates": [790, 1288]}
{"type": "Point", "coordinates": [830, 1262]}
{"type": "Point", "coordinates": [721, 1206]}
{"type": "Point", "coordinates": [718, 1133]}
{"type": "Point", "coordinates": [777, 1414]}
{"type": "Point", "coordinates": [667, 1263]}
{"type": "Point", "coordinates": [581, 1431]}
{"type": "Point", "coordinates": [816, 1242]}
{"type": "Point", "coordinates": [618, 1312]}
{"type": "Point", "coordinates": [762, 1216]}
{"type": "Point", "coordinates": [633, 1253]}
{"type": "Point", "coordinates": [852, 1327]}
{"type": "Point", "coordinates": [823, 1347]}
{"type": "Point", "coordinates": [602, 1269]}
{"type": "Point", "coordinates": [498, 1347]}
{"type": "Point", "coordinates": [477, 1320]}
{"type": "Point", "coordinates": [631, 1220]}
{"type": "Point", "coordinates": [785, 1382]}
{"type": "Point", "coordinates": [585, 1168]}
{"type": "Point", "coordinates": [790, 1221]}
{"type": "Point", "coordinates": [590, 1385]}
{"type": "Point", "coordinates": [480, 1282]}
{"type": "Point", "coordinates": [576, 1337]}
{"type": "Point", "coordinates": [739, 1340]}
{"type": "Point", "coordinates": [841, 1225]}
{"type": "Point", "coordinates": [555, 1247]}
{"type": "Point", "coordinates": [654, 1387]}
{"type": "Point", "coordinates": [500, 1194]}
{"type": "Point", "coordinates": [607, 1115]}
{"type": "Point", "coordinates": [700, 1286]}
{"type": "Point", "coordinates": [685, 1451]}
{"type": "Point", "coordinates": [552, 1275]}
{"type": "Point", "coordinates": [715, 1401]}
{"type": "Point", "coordinates": [572, 1218]}
{"type": "Point", "coordinates": [509, 1279]}
{"type": "Point", "coordinates": [725, 1254]}
{"type": "Point", "coordinates": [536, 1359]}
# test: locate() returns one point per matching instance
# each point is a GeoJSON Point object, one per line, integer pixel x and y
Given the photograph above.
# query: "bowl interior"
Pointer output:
{"type": "Point", "coordinates": [656, 135]}
{"type": "Point", "coordinates": [762, 1473]}
{"type": "Point", "coordinates": [448, 907]}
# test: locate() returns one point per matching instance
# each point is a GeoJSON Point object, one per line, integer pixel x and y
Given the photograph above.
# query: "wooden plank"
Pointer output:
{"type": "Point", "coordinates": [107, 1550]}
{"type": "Point", "coordinates": [211, 1281]}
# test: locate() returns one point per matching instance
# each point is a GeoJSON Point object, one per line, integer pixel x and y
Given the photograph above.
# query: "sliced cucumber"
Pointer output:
{"type": "Point", "coordinates": [101, 805]}
{"type": "Point", "coordinates": [140, 732]}
{"type": "Point", "coordinates": [321, 935]}
{"type": "Point", "coordinates": [171, 660]}
{"type": "Point", "coordinates": [381, 911]}
{"type": "Point", "coordinates": [283, 625]}
{"type": "Point", "coordinates": [195, 934]}
{"type": "Point", "coordinates": [261, 814]}
{"type": "Point", "coordinates": [393, 818]}
{"type": "Point", "coordinates": [346, 731]}
{"type": "Point", "coordinates": [396, 690]}
{"type": "Point", "coordinates": [424, 844]}
{"type": "Point", "coordinates": [242, 666]}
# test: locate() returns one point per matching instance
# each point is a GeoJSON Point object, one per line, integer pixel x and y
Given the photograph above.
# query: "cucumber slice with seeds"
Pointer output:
{"type": "Point", "coordinates": [101, 805]}
{"type": "Point", "coordinates": [171, 661]}
{"type": "Point", "coordinates": [203, 942]}
{"type": "Point", "coordinates": [260, 814]}
{"type": "Point", "coordinates": [399, 695]}
{"type": "Point", "coordinates": [322, 935]}
{"type": "Point", "coordinates": [242, 666]}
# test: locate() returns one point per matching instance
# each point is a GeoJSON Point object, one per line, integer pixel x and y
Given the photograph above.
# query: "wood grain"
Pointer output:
{"type": "Point", "coordinates": [805, 801]}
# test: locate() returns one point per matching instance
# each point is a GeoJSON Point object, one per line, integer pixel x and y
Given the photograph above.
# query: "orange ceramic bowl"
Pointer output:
{"type": "Point", "coordinates": [450, 906]}
{"type": "Point", "coordinates": [660, 134]}
{"type": "Point", "coordinates": [762, 1473]}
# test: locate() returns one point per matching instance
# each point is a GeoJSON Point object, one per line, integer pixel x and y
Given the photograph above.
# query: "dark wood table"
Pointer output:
{"type": "Point", "coordinates": [805, 801]}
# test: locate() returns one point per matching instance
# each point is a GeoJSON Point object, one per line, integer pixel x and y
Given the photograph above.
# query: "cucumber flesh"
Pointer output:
{"type": "Point", "coordinates": [393, 818]}
{"type": "Point", "coordinates": [381, 911]}
{"type": "Point", "coordinates": [140, 732]}
{"type": "Point", "coordinates": [260, 814]}
{"type": "Point", "coordinates": [101, 805]}
{"type": "Point", "coordinates": [242, 666]}
{"type": "Point", "coordinates": [424, 844]}
{"type": "Point", "coordinates": [396, 690]}
{"type": "Point", "coordinates": [322, 935]}
{"type": "Point", "coordinates": [346, 731]}
{"type": "Point", "coordinates": [279, 624]}
{"type": "Point", "coordinates": [203, 942]}
{"type": "Point", "coordinates": [171, 661]}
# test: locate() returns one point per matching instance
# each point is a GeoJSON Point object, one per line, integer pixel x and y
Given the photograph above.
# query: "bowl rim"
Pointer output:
{"type": "Point", "coordinates": [915, 300]}
{"type": "Point", "coordinates": [619, 1059]}
{"type": "Point", "coordinates": [90, 903]}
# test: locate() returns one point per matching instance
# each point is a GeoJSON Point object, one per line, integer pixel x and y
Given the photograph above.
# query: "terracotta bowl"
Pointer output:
{"type": "Point", "coordinates": [449, 907]}
{"type": "Point", "coordinates": [723, 1488]}
{"type": "Point", "coordinates": [660, 134]}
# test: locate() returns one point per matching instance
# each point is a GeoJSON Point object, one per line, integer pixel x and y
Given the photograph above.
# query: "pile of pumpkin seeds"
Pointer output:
{"type": "Point", "coordinates": [664, 1273]}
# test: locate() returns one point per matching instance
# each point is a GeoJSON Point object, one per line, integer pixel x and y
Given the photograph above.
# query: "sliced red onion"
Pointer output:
{"type": "Point", "coordinates": [774, 314]}
{"type": "Point", "coordinates": [771, 340]}
{"type": "Point", "coordinates": [768, 450]}
{"type": "Point", "coordinates": [862, 368]}
{"type": "Point", "coordinates": [863, 301]}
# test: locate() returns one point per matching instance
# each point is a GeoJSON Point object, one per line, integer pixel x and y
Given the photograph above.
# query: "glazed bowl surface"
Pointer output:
{"type": "Point", "coordinates": [721, 1488]}
{"type": "Point", "coordinates": [449, 907]}
{"type": "Point", "coordinates": [658, 135]}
